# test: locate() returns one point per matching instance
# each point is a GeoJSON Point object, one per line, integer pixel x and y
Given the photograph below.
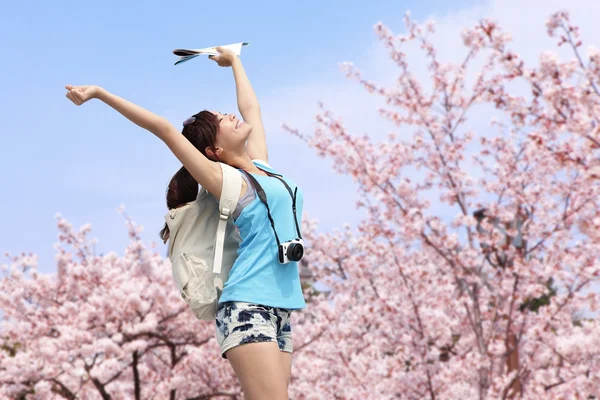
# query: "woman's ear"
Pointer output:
{"type": "Point", "coordinates": [214, 154]}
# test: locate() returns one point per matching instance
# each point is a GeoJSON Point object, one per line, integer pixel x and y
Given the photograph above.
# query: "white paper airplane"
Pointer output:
{"type": "Point", "coordinates": [188, 54]}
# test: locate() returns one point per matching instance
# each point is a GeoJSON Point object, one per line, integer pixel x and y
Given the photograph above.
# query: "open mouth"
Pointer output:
{"type": "Point", "coordinates": [238, 124]}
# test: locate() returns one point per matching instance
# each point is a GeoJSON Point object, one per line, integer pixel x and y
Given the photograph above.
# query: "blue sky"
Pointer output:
{"type": "Point", "coordinates": [84, 162]}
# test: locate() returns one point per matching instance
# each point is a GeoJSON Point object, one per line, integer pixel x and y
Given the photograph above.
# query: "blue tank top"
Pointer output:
{"type": "Point", "coordinates": [257, 276]}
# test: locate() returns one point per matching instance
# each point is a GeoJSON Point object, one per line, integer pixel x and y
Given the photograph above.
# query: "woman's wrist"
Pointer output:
{"type": "Point", "coordinates": [101, 93]}
{"type": "Point", "coordinates": [236, 61]}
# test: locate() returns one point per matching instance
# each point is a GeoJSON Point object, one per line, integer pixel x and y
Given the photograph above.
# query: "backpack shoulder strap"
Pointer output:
{"type": "Point", "coordinates": [230, 195]}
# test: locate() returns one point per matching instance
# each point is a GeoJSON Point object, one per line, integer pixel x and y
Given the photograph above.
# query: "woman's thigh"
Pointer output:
{"type": "Point", "coordinates": [259, 370]}
{"type": "Point", "coordinates": [286, 365]}
{"type": "Point", "coordinates": [284, 339]}
{"type": "Point", "coordinates": [241, 326]}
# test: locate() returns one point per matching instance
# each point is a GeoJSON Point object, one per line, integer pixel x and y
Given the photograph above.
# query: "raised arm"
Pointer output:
{"type": "Point", "coordinates": [247, 104]}
{"type": "Point", "coordinates": [206, 172]}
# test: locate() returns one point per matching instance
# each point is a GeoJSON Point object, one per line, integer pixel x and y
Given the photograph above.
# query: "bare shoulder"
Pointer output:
{"type": "Point", "coordinates": [244, 187]}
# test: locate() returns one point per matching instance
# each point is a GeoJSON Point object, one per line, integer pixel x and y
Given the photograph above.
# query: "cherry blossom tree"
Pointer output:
{"type": "Point", "coordinates": [104, 327]}
{"type": "Point", "coordinates": [475, 274]}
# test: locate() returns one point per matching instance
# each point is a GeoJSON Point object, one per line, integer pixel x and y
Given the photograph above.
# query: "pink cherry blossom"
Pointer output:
{"type": "Point", "coordinates": [499, 300]}
{"type": "Point", "coordinates": [104, 326]}
{"type": "Point", "coordinates": [474, 274]}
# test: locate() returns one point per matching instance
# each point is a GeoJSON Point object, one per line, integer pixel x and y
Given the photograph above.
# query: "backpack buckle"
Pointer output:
{"type": "Point", "coordinates": [224, 214]}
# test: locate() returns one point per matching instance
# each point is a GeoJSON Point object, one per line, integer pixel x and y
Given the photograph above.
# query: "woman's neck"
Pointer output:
{"type": "Point", "coordinates": [244, 162]}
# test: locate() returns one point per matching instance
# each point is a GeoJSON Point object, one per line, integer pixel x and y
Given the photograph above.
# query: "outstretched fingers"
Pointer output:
{"type": "Point", "coordinates": [71, 97]}
{"type": "Point", "coordinates": [75, 94]}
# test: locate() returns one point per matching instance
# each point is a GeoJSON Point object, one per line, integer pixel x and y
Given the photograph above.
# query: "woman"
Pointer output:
{"type": "Point", "coordinates": [253, 317]}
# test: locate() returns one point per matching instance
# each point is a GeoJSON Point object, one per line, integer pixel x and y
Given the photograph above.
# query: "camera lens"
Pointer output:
{"type": "Point", "coordinates": [295, 252]}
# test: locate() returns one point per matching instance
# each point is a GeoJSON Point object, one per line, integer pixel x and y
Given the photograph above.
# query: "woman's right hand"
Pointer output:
{"type": "Point", "coordinates": [81, 94]}
{"type": "Point", "coordinates": [226, 57]}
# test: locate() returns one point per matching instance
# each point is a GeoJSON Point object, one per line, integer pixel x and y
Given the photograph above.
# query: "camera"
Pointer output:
{"type": "Point", "coordinates": [292, 250]}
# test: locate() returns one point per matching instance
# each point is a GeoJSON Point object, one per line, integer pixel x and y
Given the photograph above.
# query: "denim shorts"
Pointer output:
{"type": "Point", "coordinates": [239, 322]}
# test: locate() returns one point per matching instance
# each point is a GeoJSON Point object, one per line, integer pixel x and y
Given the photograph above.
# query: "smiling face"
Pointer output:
{"type": "Point", "coordinates": [233, 132]}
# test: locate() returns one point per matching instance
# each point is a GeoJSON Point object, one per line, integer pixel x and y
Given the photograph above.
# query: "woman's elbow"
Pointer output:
{"type": "Point", "coordinates": [162, 128]}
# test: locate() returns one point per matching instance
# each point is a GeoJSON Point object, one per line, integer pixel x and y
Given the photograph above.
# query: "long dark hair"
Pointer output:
{"type": "Point", "coordinates": [183, 188]}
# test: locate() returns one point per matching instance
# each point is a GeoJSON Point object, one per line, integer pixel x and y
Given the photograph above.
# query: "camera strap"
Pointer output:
{"type": "Point", "coordinates": [263, 197]}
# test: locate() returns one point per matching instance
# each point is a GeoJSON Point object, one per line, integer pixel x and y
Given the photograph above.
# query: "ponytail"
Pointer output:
{"type": "Point", "coordinates": [201, 131]}
{"type": "Point", "coordinates": [182, 189]}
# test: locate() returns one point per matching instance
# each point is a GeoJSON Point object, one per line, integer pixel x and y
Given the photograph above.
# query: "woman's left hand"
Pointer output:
{"type": "Point", "coordinates": [80, 94]}
{"type": "Point", "coordinates": [225, 58]}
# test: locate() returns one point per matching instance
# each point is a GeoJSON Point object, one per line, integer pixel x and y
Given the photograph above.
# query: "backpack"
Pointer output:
{"type": "Point", "coordinates": [203, 243]}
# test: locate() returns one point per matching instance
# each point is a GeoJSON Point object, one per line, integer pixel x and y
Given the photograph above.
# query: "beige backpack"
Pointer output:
{"type": "Point", "coordinates": [203, 244]}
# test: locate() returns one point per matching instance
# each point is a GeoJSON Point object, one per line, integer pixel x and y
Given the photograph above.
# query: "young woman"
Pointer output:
{"type": "Point", "coordinates": [253, 318]}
